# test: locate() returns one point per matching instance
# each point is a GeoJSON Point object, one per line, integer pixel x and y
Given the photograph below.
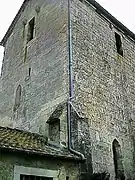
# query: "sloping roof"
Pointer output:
{"type": "Point", "coordinates": [98, 7]}
{"type": "Point", "coordinates": [32, 143]}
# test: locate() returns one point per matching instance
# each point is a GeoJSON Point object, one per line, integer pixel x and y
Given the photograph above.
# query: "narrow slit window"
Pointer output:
{"type": "Point", "coordinates": [29, 71]}
{"type": "Point", "coordinates": [31, 27]}
{"type": "Point", "coordinates": [118, 44]}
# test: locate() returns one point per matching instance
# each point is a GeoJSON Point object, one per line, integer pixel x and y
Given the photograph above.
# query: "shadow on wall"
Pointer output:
{"type": "Point", "coordinates": [96, 176]}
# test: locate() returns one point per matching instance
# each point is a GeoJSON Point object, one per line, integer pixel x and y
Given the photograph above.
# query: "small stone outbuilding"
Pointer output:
{"type": "Point", "coordinates": [28, 156]}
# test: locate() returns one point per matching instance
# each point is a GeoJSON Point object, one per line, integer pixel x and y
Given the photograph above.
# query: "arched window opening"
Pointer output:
{"type": "Point", "coordinates": [18, 97]}
{"type": "Point", "coordinates": [117, 157]}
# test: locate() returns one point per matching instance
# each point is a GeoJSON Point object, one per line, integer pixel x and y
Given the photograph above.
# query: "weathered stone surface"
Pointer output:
{"type": "Point", "coordinates": [8, 162]}
{"type": "Point", "coordinates": [46, 54]}
{"type": "Point", "coordinates": [103, 84]}
{"type": "Point", "coordinates": [103, 87]}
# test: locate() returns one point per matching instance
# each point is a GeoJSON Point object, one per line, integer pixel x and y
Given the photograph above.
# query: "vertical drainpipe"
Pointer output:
{"type": "Point", "coordinates": [71, 84]}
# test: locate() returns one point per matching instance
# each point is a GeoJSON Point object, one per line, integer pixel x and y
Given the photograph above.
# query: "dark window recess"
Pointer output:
{"type": "Point", "coordinates": [67, 177]}
{"type": "Point", "coordinates": [118, 164]}
{"type": "Point", "coordinates": [54, 130]}
{"type": "Point", "coordinates": [29, 71]}
{"type": "Point", "coordinates": [30, 177]}
{"type": "Point", "coordinates": [118, 44]}
{"type": "Point", "coordinates": [31, 27]}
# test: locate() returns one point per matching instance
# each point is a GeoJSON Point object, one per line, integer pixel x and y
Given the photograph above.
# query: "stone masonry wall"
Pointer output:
{"type": "Point", "coordinates": [103, 88]}
{"type": "Point", "coordinates": [64, 168]}
{"type": "Point", "coordinates": [39, 66]}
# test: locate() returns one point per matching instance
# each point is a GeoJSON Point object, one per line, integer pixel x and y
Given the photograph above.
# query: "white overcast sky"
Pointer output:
{"type": "Point", "coordinates": [123, 10]}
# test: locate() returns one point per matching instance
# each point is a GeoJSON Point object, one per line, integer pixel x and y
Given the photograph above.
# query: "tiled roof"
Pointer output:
{"type": "Point", "coordinates": [32, 143]}
{"type": "Point", "coordinates": [20, 139]}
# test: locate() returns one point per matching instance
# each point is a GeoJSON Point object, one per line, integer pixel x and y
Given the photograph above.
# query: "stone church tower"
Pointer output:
{"type": "Point", "coordinates": [68, 74]}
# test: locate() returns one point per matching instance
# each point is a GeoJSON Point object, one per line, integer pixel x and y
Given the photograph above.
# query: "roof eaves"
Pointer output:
{"type": "Point", "coordinates": [112, 19]}
{"type": "Point", "coordinates": [11, 27]}
{"type": "Point", "coordinates": [40, 153]}
{"type": "Point", "coordinates": [99, 8]}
